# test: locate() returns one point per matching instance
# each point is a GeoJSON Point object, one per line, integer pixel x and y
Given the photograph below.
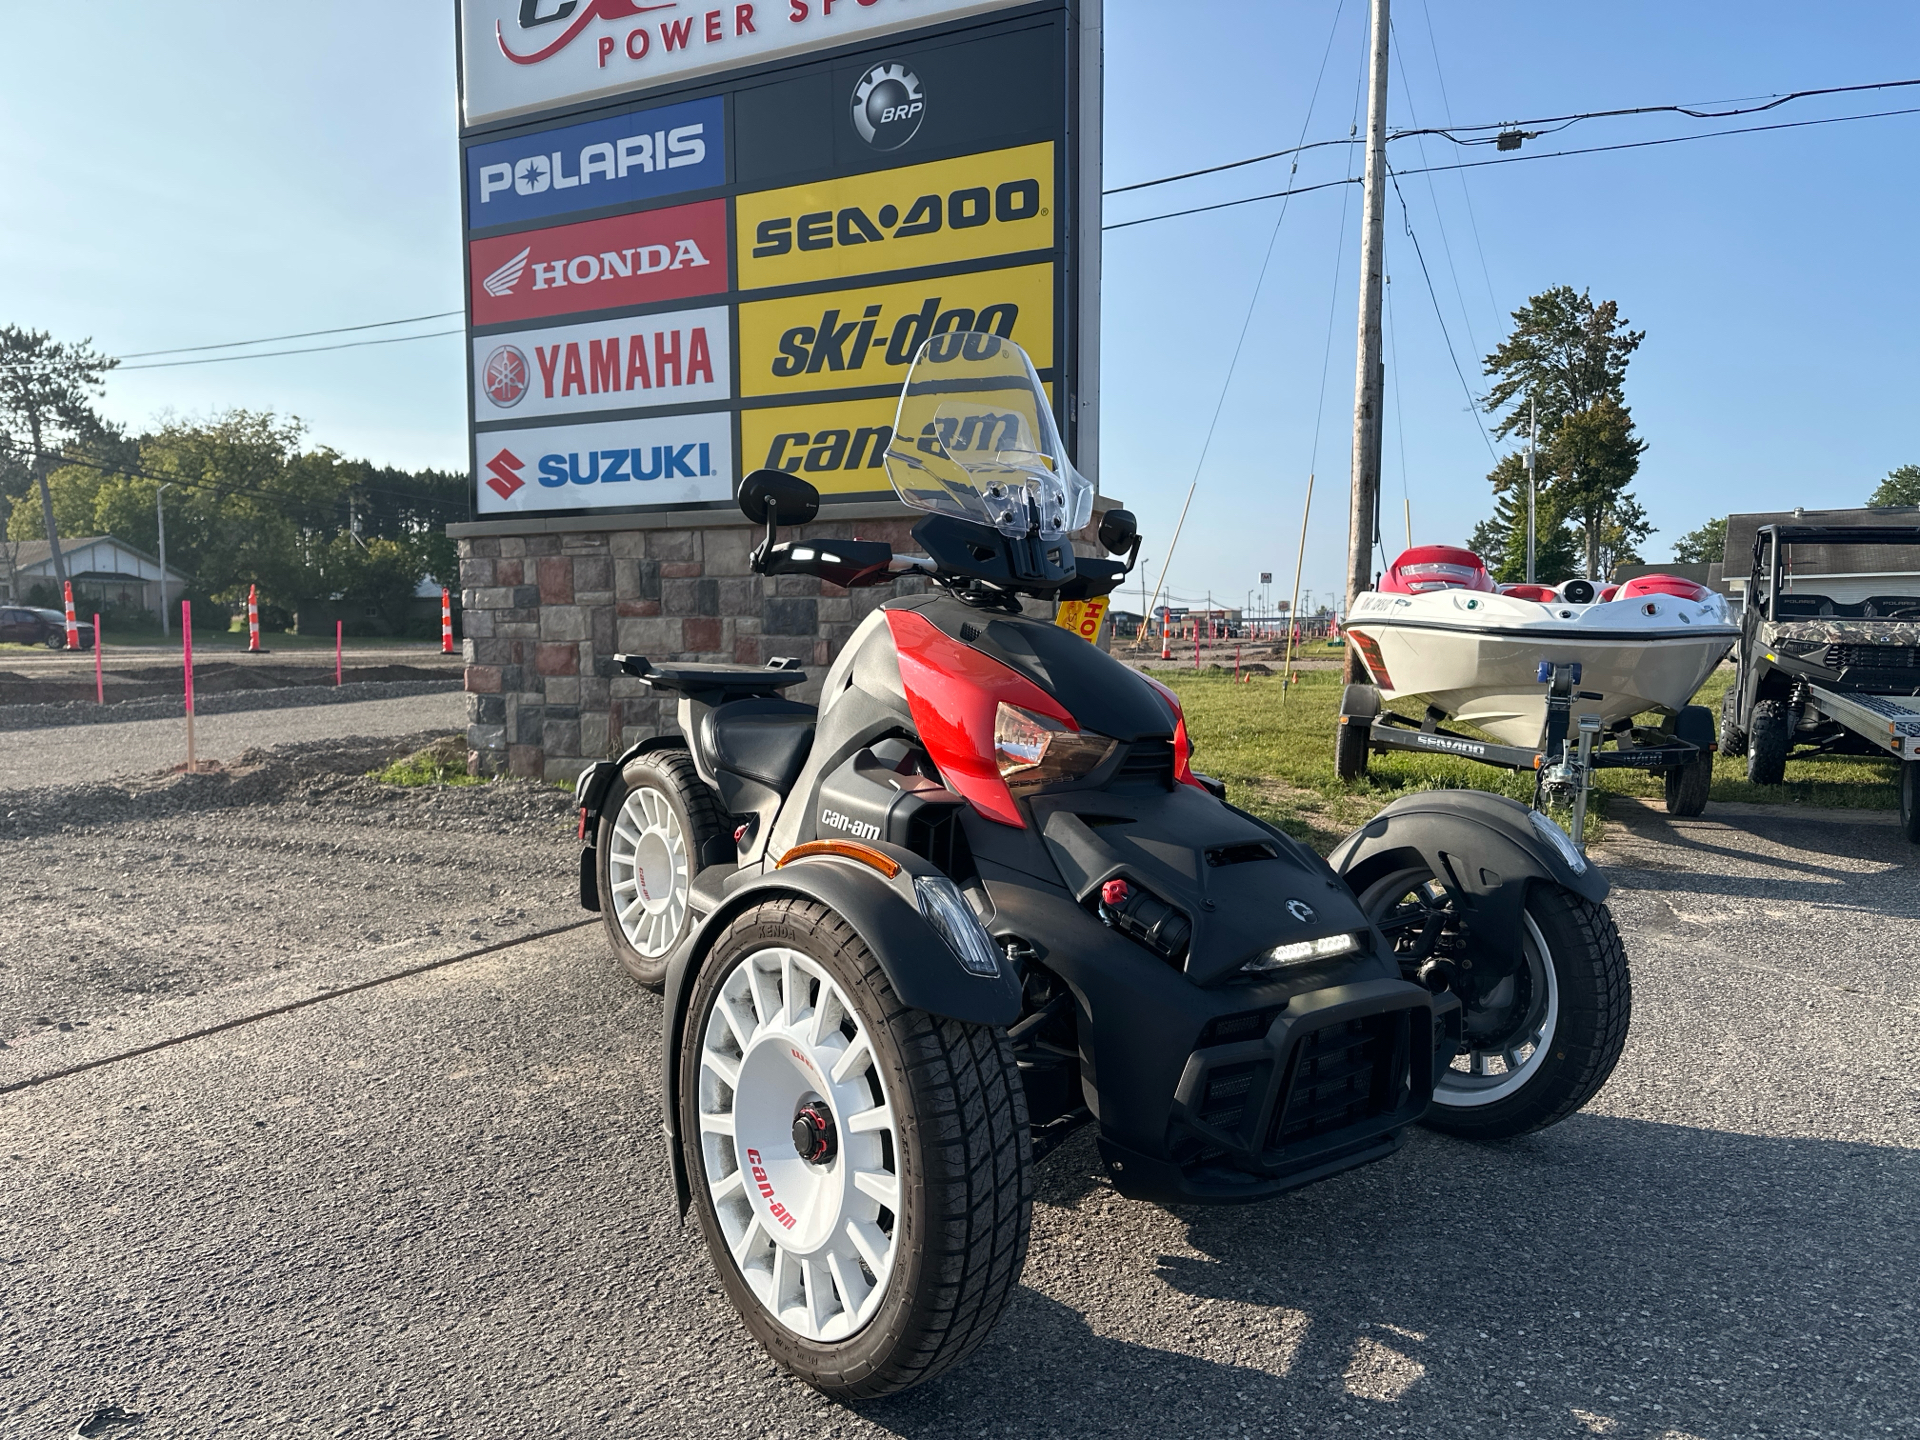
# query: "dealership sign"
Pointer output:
{"type": "Point", "coordinates": [521, 56]}
{"type": "Point", "coordinates": [665, 293]}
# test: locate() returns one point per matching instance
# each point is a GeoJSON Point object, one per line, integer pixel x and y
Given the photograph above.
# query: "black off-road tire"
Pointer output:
{"type": "Point", "coordinates": [670, 774]}
{"type": "Point", "coordinates": [1733, 740]}
{"type": "Point", "coordinates": [1350, 751]}
{"type": "Point", "coordinates": [1687, 786]}
{"type": "Point", "coordinates": [963, 1160]}
{"type": "Point", "coordinates": [1769, 737]}
{"type": "Point", "coordinates": [1909, 783]}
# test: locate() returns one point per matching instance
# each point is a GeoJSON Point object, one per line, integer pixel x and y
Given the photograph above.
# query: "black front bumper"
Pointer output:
{"type": "Point", "coordinates": [1333, 1083]}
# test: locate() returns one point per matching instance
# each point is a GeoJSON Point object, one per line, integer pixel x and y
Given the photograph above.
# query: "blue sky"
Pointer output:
{"type": "Point", "coordinates": [192, 174]}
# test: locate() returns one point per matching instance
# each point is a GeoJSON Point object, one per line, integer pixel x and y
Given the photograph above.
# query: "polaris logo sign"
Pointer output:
{"type": "Point", "coordinates": [520, 56]}
{"type": "Point", "coordinates": [624, 161]}
{"type": "Point", "coordinates": [670, 460]}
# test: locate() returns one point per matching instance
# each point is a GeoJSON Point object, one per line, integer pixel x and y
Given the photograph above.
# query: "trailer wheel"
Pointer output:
{"type": "Point", "coordinates": [1910, 800]}
{"type": "Point", "coordinates": [1767, 742]}
{"type": "Point", "coordinates": [1687, 786]}
{"type": "Point", "coordinates": [862, 1170]}
{"type": "Point", "coordinates": [653, 833]}
{"type": "Point", "coordinates": [1541, 1042]}
{"type": "Point", "coordinates": [1359, 704]}
{"type": "Point", "coordinates": [1733, 740]}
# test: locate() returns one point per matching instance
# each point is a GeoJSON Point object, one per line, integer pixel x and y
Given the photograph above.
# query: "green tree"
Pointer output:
{"type": "Point", "coordinates": [47, 390]}
{"type": "Point", "coordinates": [71, 491]}
{"type": "Point", "coordinates": [1901, 487]}
{"type": "Point", "coordinates": [380, 573]}
{"type": "Point", "coordinates": [1595, 457]}
{"type": "Point", "coordinates": [1707, 545]}
{"type": "Point", "coordinates": [1502, 540]}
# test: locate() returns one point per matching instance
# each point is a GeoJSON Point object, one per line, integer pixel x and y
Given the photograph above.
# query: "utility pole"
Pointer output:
{"type": "Point", "coordinates": [1369, 380]}
{"type": "Point", "coordinates": [1533, 436]}
{"type": "Point", "coordinates": [160, 514]}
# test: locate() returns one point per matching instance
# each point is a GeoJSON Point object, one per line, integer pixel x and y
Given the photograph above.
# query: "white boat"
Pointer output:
{"type": "Point", "coordinates": [1438, 632]}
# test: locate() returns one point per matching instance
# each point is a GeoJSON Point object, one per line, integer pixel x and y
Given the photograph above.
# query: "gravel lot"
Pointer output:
{"type": "Point", "coordinates": [437, 1206]}
{"type": "Point", "coordinates": [80, 755]}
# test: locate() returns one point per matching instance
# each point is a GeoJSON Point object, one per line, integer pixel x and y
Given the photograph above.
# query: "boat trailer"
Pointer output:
{"type": "Point", "coordinates": [1577, 741]}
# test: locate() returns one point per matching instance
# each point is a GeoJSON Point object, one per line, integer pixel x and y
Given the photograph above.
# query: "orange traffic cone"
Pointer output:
{"type": "Point", "coordinates": [446, 621]}
{"type": "Point", "coordinates": [253, 619]}
{"type": "Point", "coordinates": [73, 623]}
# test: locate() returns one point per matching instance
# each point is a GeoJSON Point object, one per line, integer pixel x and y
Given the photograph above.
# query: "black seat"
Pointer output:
{"type": "Point", "coordinates": [762, 740]}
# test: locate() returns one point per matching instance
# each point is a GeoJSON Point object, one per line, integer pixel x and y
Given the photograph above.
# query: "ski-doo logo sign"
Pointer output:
{"type": "Point", "coordinates": [966, 209]}
{"type": "Point", "coordinates": [623, 161]}
{"type": "Point", "coordinates": [518, 56]}
{"type": "Point", "coordinates": [601, 264]}
{"type": "Point", "coordinates": [854, 338]}
{"type": "Point", "coordinates": [672, 460]}
{"type": "Point", "coordinates": [630, 364]}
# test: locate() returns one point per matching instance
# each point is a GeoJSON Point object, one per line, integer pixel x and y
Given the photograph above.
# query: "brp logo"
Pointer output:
{"type": "Point", "coordinates": [888, 106]}
{"type": "Point", "coordinates": [1301, 911]}
{"type": "Point", "coordinates": [504, 377]}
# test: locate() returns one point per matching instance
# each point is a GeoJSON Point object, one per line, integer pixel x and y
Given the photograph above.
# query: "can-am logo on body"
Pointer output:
{"type": "Point", "coordinates": [608, 264]}
{"type": "Point", "coordinates": [862, 828]}
{"type": "Point", "coordinates": [888, 106]}
{"type": "Point", "coordinates": [1300, 911]}
{"type": "Point", "coordinates": [765, 1187]}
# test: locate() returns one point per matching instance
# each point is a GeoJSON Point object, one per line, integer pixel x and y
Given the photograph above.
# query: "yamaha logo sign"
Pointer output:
{"type": "Point", "coordinates": [504, 377]}
{"type": "Point", "coordinates": [888, 106]}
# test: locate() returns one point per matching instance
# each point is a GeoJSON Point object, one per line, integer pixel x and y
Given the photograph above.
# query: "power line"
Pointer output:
{"type": "Point", "coordinates": [297, 335]}
{"type": "Point", "coordinates": [1466, 389]}
{"type": "Point", "coordinates": [300, 350]}
{"type": "Point", "coordinates": [1446, 245]}
{"type": "Point", "coordinates": [1446, 110]}
{"type": "Point", "coordinates": [1516, 159]}
{"type": "Point", "coordinates": [1558, 122]}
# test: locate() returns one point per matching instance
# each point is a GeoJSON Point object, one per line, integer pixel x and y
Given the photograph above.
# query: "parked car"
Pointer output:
{"type": "Point", "coordinates": [20, 625]}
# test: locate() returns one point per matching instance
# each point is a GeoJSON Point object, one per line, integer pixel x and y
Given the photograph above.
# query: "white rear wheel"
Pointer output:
{"type": "Point", "coordinates": [647, 863]}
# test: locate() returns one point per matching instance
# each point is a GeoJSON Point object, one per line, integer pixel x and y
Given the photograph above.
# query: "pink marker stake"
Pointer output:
{"type": "Point", "coordinates": [186, 642]}
{"type": "Point", "coordinates": [339, 630]}
{"type": "Point", "coordinates": [99, 680]}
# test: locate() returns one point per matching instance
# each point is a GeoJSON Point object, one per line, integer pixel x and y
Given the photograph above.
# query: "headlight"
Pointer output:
{"type": "Point", "coordinates": [944, 909]}
{"type": "Point", "coordinates": [1556, 837]}
{"type": "Point", "coordinates": [1033, 751]}
{"type": "Point", "coordinates": [1301, 951]}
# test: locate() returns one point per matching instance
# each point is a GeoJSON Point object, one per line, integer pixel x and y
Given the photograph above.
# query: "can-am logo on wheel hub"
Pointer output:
{"type": "Point", "coordinates": [505, 377]}
{"type": "Point", "coordinates": [1300, 911]}
{"type": "Point", "coordinates": [888, 106]}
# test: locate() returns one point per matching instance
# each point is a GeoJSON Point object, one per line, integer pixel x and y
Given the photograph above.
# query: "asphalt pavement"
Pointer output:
{"type": "Point", "coordinates": [76, 755]}
{"type": "Point", "coordinates": [437, 1206]}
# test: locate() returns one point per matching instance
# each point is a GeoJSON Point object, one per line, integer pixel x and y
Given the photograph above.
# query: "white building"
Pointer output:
{"type": "Point", "coordinates": [104, 571]}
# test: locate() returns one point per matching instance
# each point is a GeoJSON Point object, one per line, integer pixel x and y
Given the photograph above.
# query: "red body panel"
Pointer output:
{"type": "Point", "coordinates": [1675, 585]}
{"type": "Point", "coordinates": [953, 691]}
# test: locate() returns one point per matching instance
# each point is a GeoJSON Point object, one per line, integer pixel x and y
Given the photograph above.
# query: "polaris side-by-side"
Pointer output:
{"type": "Point", "coordinates": [912, 936]}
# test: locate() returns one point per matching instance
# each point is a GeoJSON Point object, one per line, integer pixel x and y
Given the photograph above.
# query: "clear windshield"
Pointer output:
{"type": "Point", "coordinates": [974, 438]}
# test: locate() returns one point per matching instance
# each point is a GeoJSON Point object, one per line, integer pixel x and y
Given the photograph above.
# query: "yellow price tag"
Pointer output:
{"type": "Point", "coordinates": [1083, 617]}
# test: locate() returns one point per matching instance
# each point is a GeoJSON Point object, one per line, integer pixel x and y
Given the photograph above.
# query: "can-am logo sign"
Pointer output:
{"type": "Point", "coordinates": [671, 460]}
{"type": "Point", "coordinates": [520, 56]}
{"type": "Point", "coordinates": [675, 358]}
{"type": "Point", "coordinates": [609, 264]}
{"type": "Point", "coordinates": [623, 161]}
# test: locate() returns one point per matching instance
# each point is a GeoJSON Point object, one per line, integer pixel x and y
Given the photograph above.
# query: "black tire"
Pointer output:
{"type": "Point", "coordinates": [1769, 736]}
{"type": "Point", "coordinates": [958, 1147]}
{"type": "Point", "coordinates": [57, 640]}
{"type": "Point", "coordinates": [1733, 740]}
{"type": "Point", "coordinates": [1687, 786]}
{"type": "Point", "coordinates": [669, 780]}
{"type": "Point", "coordinates": [1573, 996]}
{"type": "Point", "coordinates": [1909, 783]}
{"type": "Point", "coordinates": [1350, 751]}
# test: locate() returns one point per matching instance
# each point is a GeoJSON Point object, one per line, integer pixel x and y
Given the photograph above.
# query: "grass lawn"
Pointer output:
{"type": "Point", "coordinates": [1276, 756]}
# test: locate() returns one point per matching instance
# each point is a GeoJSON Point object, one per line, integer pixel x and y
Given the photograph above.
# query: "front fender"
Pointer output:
{"type": "Point", "coordinates": [1482, 847]}
{"type": "Point", "coordinates": [920, 966]}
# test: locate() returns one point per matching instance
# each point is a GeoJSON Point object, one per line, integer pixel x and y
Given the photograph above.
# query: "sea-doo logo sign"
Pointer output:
{"type": "Point", "coordinates": [648, 360]}
{"type": "Point", "coordinates": [674, 460]}
{"type": "Point", "coordinates": [861, 828]}
{"type": "Point", "coordinates": [518, 56]}
{"type": "Point", "coordinates": [870, 336]}
{"type": "Point", "coordinates": [888, 106]}
{"type": "Point", "coordinates": [1301, 911]}
{"type": "Point", "coordinates": [503, 379]}
{"type": "Point", "coordinates": [601, 264]}
{"type": "Point", "coordinates": [1451, 746]}
{"type": "Point", "coordinates": [622, 161]}
{"type": "Point", "coordinates": [965, 209]}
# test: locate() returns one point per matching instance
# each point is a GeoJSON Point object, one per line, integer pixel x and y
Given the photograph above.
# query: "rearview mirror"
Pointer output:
{"type": "Point", "coordinates": [1118, 530]}
{"type": "Point", "coordinates": [796, 501]}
